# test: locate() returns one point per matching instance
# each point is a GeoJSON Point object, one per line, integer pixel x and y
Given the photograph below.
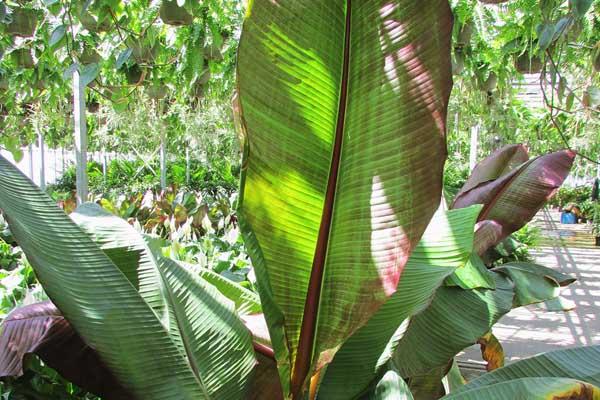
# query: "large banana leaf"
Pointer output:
{"type": "Point", "coordinates": [456, 319]}
{"type": "Point", "coordinates": [343, 107]}
{"type": "Point", "coordinates": [532, 389]}
{"type": "Point", "coordinates": [202, 321]}
{"type": "Point", "coordinates": [581, 363]}
{"type": "Point", "coordinates": [499, 163]}
{"type": "Point", "coordinates": [445, 246]}
{"type": "Point", "coordinates": [105, 308]}
{"type": "Point", "coordinates": [534, 283]}
{"type": "Point", "coordinates": [514, 198]}
{"type": "Point", "coordinates": [42, 330]}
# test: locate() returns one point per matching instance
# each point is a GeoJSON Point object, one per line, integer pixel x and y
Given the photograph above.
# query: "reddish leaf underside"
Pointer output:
{"type": "Point", "coordinates": [42, 330]}
{"type": "Point", "coordinates": [499, 163]}
{"type": "Point", "coordinates": [513, 199]}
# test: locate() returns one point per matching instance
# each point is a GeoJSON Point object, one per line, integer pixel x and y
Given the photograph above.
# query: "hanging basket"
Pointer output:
{"type": "Point", "coordinates": [23, 58]}
{"type": "Point", "coordinates": [142, 53]}
{"type": "Point", "coordinates": [465, 34]}
{"type": "Point", "coordinates": [204, 77]}
{"type": "Point", "coordinates": [135, 75]}
{"type": "Point", "coordinates": [171, 14]}
{"type": "Point", "coordinates": [528, 65]}
{"type": "Point", "coordinates": [490, 83]}
{"type": "Point", "coordinates": [92, 106]}
{"type": "Point", "coordinates": [157, 91]}
{"type": "Point", "coordinates": [24, 22]}
{"type": "Point", "coordinates": [89, 56]}
{"type": "Point", "coordinates": [212, 52]}
{"type": "Point", "coordinates": [92, 24]}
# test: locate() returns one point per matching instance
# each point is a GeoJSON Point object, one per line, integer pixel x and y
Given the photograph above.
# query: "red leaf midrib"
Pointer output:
{"type": "Point", "coordinates": [304, 354]}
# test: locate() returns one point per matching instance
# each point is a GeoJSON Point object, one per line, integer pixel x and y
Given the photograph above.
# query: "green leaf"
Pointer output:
{"type": "Point", "coordinates": [128, 251]}
{"type": "Point", "coordinates": [531, 389]}
{"type": "Point", "coordinates": [325, 115]}
{"type": "Point", "coordinates": [199, 316]}
{"type": "Point", "coordinates": [57, 35]}
{"type": "Point", "coordinates": [191, 358]}
{"type": "Point", "coordinates": [445, 246]}
{"type": "Point", "coordinates": [89, 72]}
{"type": "Point", "coordinates": [546, 35]}
{"type": "Point", "coordinates": [68, 73]}
{"type": "Point", "coordinates": [390, 387]}
{"type": "Point", "coordinates": [580, 7]}
{"type": "Point", "coordinates": [570, 100]}
{"type": "Point", "coordinates": [582, 363]}
{"type": "Point", "coordinates": [472, 276]}
{"type": "Point", "coordinates": [246, 301]}
{"type": "Point", "coordinates": [456, 319]}
{"type": "Point", "coordinates": [534, 283]}
{"type": "Point", "coordinates": [94, 295]}
{"type": "Point", "coordinates": [123, 57]}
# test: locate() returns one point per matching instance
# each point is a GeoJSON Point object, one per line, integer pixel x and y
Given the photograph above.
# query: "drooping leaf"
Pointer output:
{"type": "Point", "coordinates": [580, 7]}
{"type": "Point", "coordinates": [487, 234]}
{"type": "Point", "coordinates": [123, 57]}
{"type": "Point", "coordinates": [491, 351]}
{"type": "Point", "coordinates": [128, 251]}
{"type": "Point", "coordinates": [546, 35]}
{"type": "Point", "coordinates": [202, 321]}
{"type": "Point", "coordinates": [107, 311]}
{"type": "Point", "coordinates": [513, 199]}
{"type": "Point", "coordinates": [531, 389]}
{"type": "Point", "coordinates": [445, 246]}
{"type": "Point", "coordinates": [57, 35]}
{"type": "Point", "coordinates": [534, 283]}
{"type": "Point", "coordinates": [246, 301]}
{"type": "Point", "coordinates": [42, 330]}
{"type": "Point", "coordinates": [499, 163]}
{"type": "Point", "coordinates": [472, 276]}
{"type": "Point", "coordinates": [581, 363]}
{"type": "Point", "coordinates": [390, 387]}
{"type": "Point", "coordinates": [456, 319]}
{"type": "Point", "coordinates": [344, 107]}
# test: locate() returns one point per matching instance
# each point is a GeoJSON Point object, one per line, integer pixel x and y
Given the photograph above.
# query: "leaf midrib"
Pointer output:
{"type": "Point", "coordinates": [305, 350]}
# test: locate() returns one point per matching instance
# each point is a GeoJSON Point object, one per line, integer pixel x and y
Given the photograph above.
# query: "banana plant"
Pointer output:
{"type": "Point", "coordinates": [342, 108]}
{"type": "Point", "coordinates": [403, 337]}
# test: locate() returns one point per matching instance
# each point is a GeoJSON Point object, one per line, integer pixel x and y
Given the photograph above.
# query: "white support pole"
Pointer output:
{"type": "Point", "coordinates": [104, 166]}
{"type": "Point", "coordinates": [42, 161]}
{"type": "Point", "coordinates": [80, 138]}
{"type": "Point", "coordinates": [31, 162]}
{"type": "Point", "coordinates": [187, 165]}
{"type": "Point", "coordinates": [163, 162]}
{"type": "Point", "coordinates": [474, 145]}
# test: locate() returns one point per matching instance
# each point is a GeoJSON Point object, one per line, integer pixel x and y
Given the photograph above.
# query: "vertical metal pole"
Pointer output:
{"type": "Point", "coordinates": [104, 166]}
{"type": "Point", "coordinates": [42, 161]}
{"type": "Point", "coordinates": [81, 142]}
{"type": "Point", "coordinates": [187, 166]}
{"type": "Point", "coordinates": [163, 162]}
{"type": "Point", "coordinates": [473, 149]}
{"type": "Point", "coordinates": [31, 162]}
